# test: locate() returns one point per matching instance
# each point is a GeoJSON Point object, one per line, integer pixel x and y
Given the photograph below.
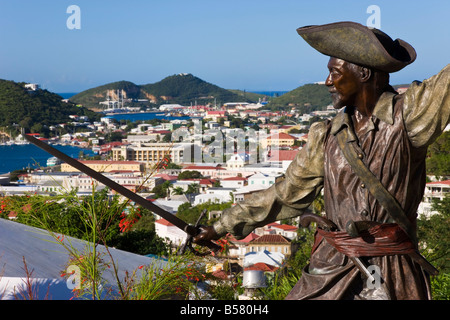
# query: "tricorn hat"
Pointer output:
{"type": "Point", "coordinates": [360, 45]}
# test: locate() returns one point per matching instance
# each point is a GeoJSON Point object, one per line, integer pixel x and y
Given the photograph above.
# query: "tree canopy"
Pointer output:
{"type": "Point", "coordinates": [438, 158]}
{"type": "Point", "coordinates": [35, 110]}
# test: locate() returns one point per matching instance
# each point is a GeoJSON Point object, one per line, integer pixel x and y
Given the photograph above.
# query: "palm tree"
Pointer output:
{"type": "Point", "coordinates": [167, 185]}
{"type": "Point", "coordinates": [178, 191]}
{"type": "Point", "coordinates": [193, 188]}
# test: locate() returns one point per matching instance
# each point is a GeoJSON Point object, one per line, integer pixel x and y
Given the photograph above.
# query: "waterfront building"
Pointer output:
{"type": "Point", "coordinates": [85, 184]}
{"type": "Point", "coordinates": [152, 153]}
{"type": "Point", "coordinates": [107, 166]}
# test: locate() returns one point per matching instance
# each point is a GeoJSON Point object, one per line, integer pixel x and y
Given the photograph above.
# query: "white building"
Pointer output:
{"type": "Point", "coordinates": [169, 204]}
{"type": "Point", "coordinates": [240, 248]}
{"type": "Point", "coordinates": [85, 183]}
{"type": "Point", "coordinates": [233, 182]}
{"type": "Point", "coordinates": [242, 193]}
{"type": "Point", "coordinates": [107, 120]}
{"type": "Point", "coordinates": [284, 230]}
{"type": "Point", "coordinates": [172, 234]}
{"type": "Point", "coordinates": [263, 179]}
{"type": "Point", "coordinates": [32, 86]}
{"type": "Point", "coordinates": [170, 107]}
{"type": "Point", "coordinates": [237, 161]}
{"type": "Point", "coordinates": [433, 190]}
{"type": "Point", "coordinates": [215, 195]}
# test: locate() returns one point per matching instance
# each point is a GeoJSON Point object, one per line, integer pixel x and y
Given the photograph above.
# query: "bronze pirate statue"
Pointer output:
{"type": "Point", "coordinates": [370, 162]}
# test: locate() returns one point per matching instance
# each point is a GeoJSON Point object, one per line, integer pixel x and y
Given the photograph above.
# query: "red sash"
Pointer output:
{"type": "Point", "coordinates": [380, 240]}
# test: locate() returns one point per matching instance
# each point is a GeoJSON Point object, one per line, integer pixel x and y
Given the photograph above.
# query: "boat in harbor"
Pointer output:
{"type": "Point", "coordinates": [53, 161]}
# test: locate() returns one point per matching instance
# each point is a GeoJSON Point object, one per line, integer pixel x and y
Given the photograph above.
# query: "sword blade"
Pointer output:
{"type": "Point", "coordinates": [114, 186]}
{"type": "Point", "coordinates": [362, 267]}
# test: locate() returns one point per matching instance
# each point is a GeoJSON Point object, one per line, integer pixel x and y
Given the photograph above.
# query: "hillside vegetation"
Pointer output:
{"type": "Point", "coordinates": [184, 89]}
{"type": "Point", "coordinates": [33, 109]}
{"type": "Point", "coordinates": [90, 98]}
{"type": "Point", "coordinates": [307, 98]}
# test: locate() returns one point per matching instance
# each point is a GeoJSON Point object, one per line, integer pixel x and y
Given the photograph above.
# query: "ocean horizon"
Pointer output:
{"type": "Point", "coordinates": [67, 95]}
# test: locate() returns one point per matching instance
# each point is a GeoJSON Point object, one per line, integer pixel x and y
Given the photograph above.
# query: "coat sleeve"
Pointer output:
{"type": "Point", "coordinates": [285, 199]}
{"type": "Point", "coordinates": [426, 108]}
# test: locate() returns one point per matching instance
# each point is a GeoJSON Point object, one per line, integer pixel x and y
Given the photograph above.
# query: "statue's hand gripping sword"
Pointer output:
{"type": "Point", "coordinates": [192, 231]}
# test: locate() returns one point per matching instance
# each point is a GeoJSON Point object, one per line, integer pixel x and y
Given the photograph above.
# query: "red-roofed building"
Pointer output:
{"type": "Point", "coordinates": [166, 177]}
{"type": "Point", "coordinates": [279, 140]}
{"type": "Point", "coordinates": [107, 147]}
{"type": "Point", "coordinates": [12, 215]}
{"type": "Point", "coordinates": [272, 243]}
{"type": "Point", "coordinates": [282, 155]}
{"type": "Point", "coordinates": [216, 115]}
{"type": "Point", "coordinates": [246, 240]}
{"type": "Point", "coordinates": [234, 182]}
{"type": "Point", "coordinates": [239, 248]}
{"type": "Point", "coordinates": [172, 234]}
{"type": "Point", "coordinates": [203, 184]}
{"type": "Point", "coordinates": [221, 275]}
{"type": "Point", "coordinates": [260, 266]}
{"type": "Point", "coordinates": [284, 230]}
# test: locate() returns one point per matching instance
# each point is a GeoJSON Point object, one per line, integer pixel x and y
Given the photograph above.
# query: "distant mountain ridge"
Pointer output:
{"type": "Point", "coordinates": [181, 89]}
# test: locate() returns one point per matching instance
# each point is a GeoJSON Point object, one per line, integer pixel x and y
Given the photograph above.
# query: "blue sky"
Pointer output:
{"type": "Point", "coordinates": [237, 44]}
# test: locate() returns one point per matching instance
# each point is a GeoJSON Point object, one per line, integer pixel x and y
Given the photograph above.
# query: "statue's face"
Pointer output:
{"type": "Point", "coordinates": [343, 83]}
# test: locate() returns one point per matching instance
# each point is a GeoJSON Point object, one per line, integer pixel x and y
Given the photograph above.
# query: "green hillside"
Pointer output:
{"type": "Point", "coordinates": [92, 97]}
{"type": "Point", "coordinates": [254, 97]}
{"type": "Point", "coordinates": [186, 88]}
{"type": "Point", "coordinates": [308, 98]}
{"type": "Point", "coordinates": [181, 89]}
{"type": "Point", "coordinates": [32, 110]}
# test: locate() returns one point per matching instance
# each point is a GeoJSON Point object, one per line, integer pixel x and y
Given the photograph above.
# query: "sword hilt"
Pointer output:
{"type": "Point", "coordinates": [192, 231]}
{"type": "Point", "coordinates": [323, 223]}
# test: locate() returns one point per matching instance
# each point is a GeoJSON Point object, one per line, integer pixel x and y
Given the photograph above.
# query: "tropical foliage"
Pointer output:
{"type": "Point", "coordinates": [36, 110]}
{"type": "Point", "coordinates": [438, 160]}
{"type": "Point", "coordinates": [307, 98]}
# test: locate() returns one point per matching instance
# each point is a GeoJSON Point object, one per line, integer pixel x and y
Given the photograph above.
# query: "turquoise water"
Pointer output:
{"type": "Point", "coordinates": [16, 157]}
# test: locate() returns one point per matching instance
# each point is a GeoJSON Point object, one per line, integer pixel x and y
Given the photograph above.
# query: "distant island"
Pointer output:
{"type": "Point", "coordinates": [183, 89]}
